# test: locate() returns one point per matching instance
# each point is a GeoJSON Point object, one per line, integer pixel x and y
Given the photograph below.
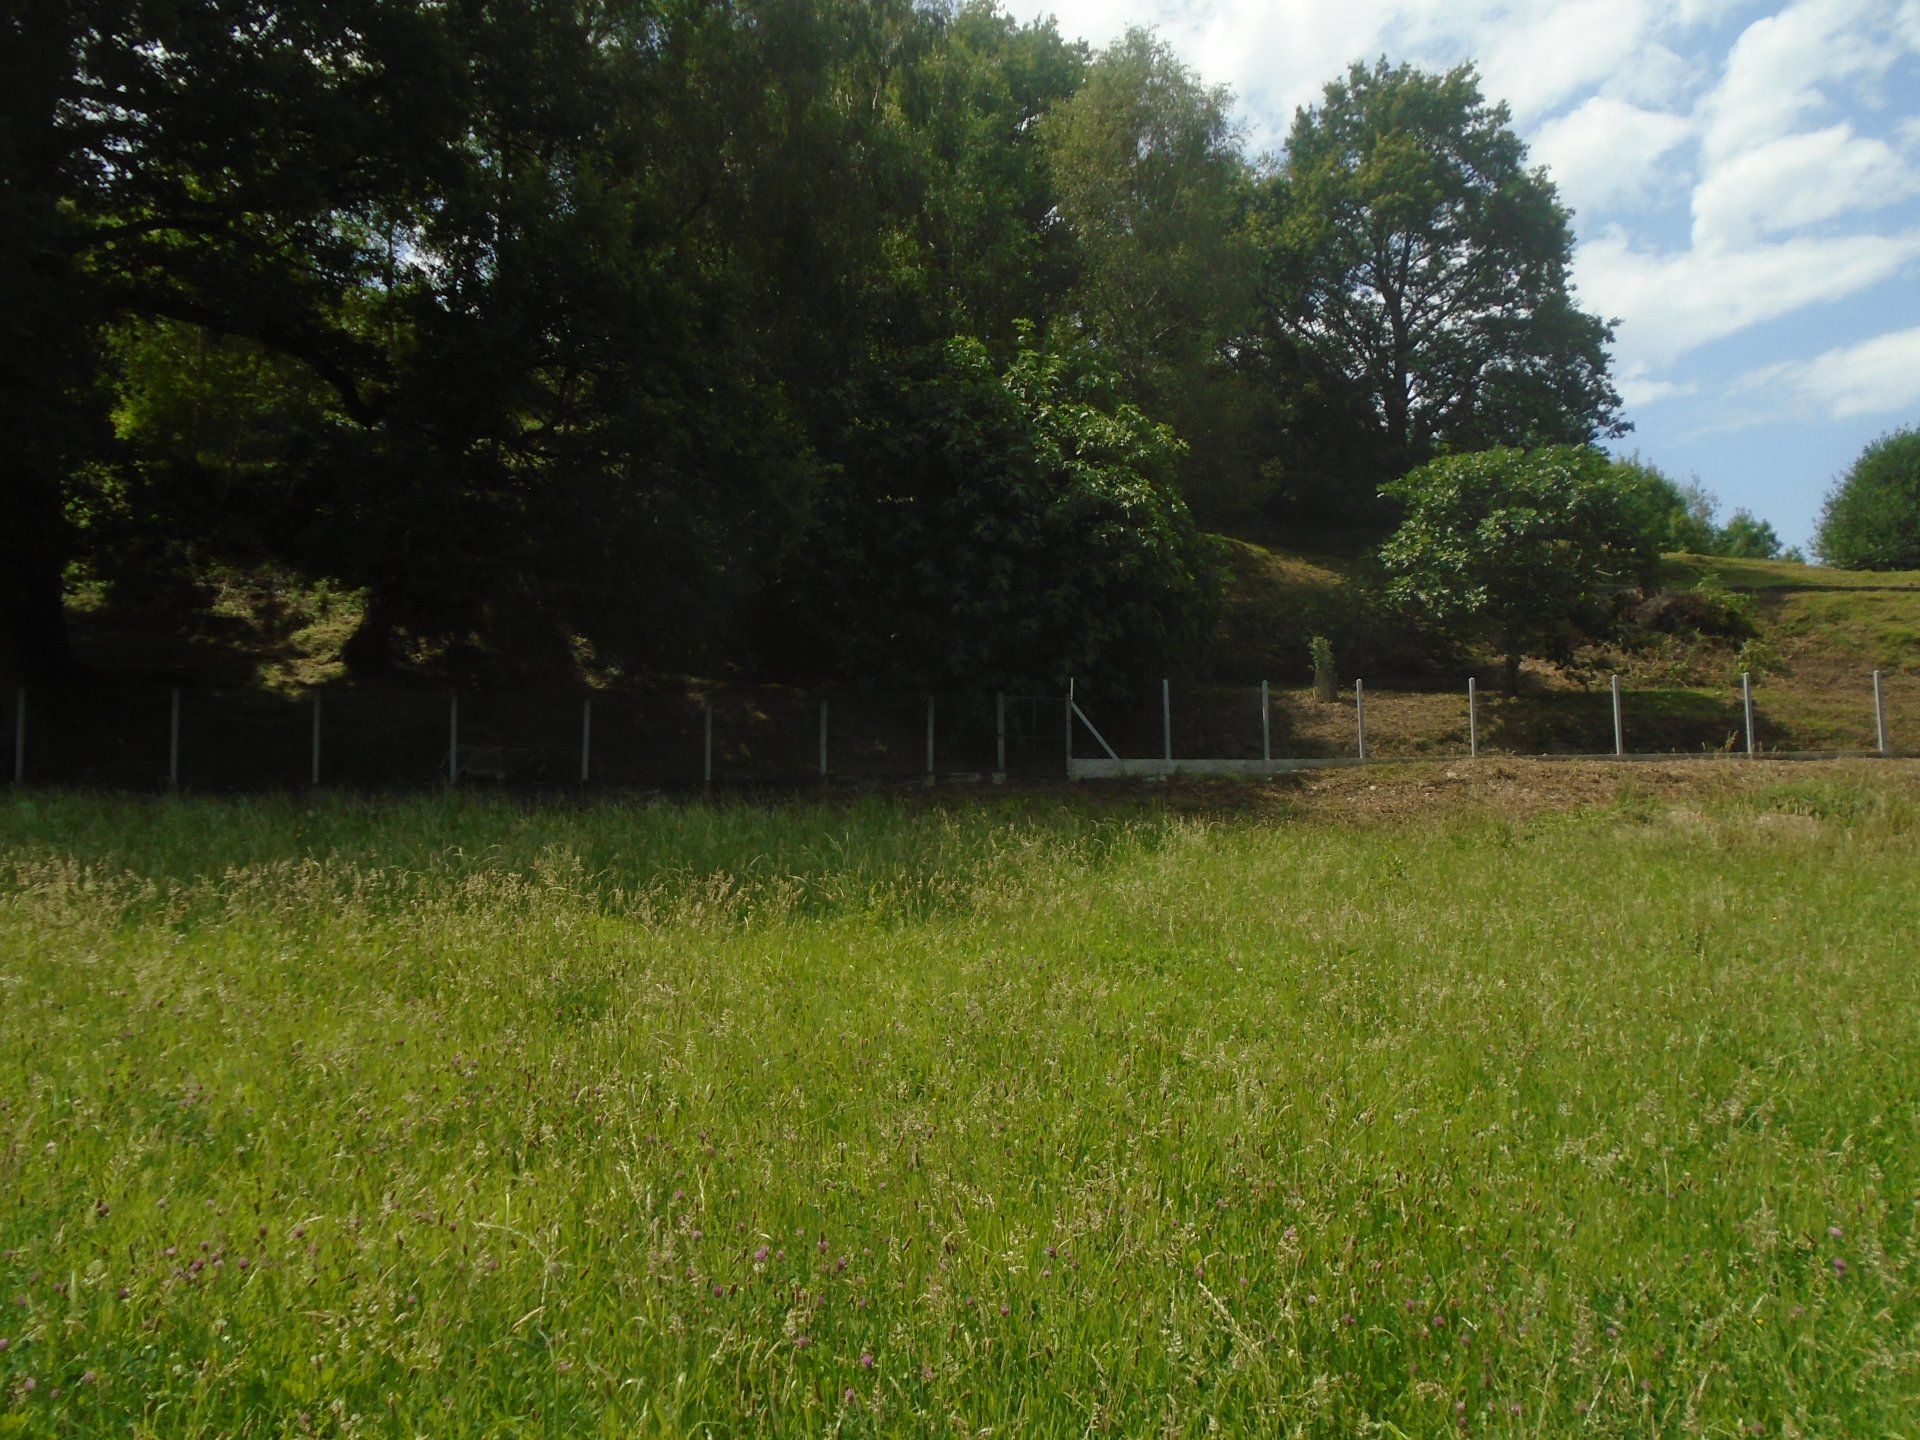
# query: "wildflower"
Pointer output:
{"type": "Point", "coordinates": [1834, 1231]}
{"type": "Point", "coordinates": [866, 1361]}
{"type": "Point", "coordinates": [760, 1256]}
{"type": "Point", "coordinates": [1839, 1266]}
{"type": "Point", "coordinates": [823, 1244]}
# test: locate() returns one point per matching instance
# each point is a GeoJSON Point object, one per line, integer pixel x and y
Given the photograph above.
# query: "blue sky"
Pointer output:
{"type": "Point", "coordinates": [1745, 180]}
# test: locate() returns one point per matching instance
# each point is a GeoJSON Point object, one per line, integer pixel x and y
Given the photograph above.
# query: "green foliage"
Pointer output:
{"type": "Point", "coordinates": [1746, 537]}
{"type": "Point", "coordinates": [997, 528]}
{"type": "Point", "coordinates": [1320, 649]}
{"type": "Point", "coordinates": [1871, 520]}
{"type": "Point", "coordinates": [1676, 516]}
{"type": "Point", "coordinates": [856, 1117]}
{"type": "Point", "coordinates": [1758, 656]}
{"type": "Point", "coordinates": [1152, 186]}
{"type": "Point", "coordinates": [1525, 550]}
{"type": "Point", "coordinates": [1405, 234]}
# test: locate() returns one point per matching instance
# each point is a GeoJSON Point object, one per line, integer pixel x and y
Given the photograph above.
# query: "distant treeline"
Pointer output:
{"type": "Point", "coordinates": [823, 336]}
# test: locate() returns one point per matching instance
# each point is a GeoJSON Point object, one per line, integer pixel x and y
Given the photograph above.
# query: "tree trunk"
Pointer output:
{"type": "Point", "coordinates": [369, 650]}
{"type": "Point", "coordinates": [1513, 673]}
{"type": "Point", "coordinates": [34, 546]}
{"type": "Point", "coordinates": [35, 646]}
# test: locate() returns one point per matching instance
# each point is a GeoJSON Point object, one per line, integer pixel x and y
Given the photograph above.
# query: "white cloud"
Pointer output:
{"type": "Point", "coordinates": [1606, 153]}
{"type": "Point", "coordinates": [1785, 123]}
{"type": "Point", "coordinates": [1796, 182]}
{"type": "Point", "coordinates": [1871, 378]}
{"type": "Point", "coordinates": [1638, 388]}
{"type": "Point", "coordinates": [1673, 302]}
{"type": "Point", "coordinates": [1541, 56]}
{"type": "Point", "coordinates": [1777, 69]}
{"type": "Point", "coordinates": [1279, 54]}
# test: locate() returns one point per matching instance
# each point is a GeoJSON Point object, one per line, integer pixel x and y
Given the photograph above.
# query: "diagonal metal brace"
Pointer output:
{"type": "Point", "coordinates": [1091, 731]}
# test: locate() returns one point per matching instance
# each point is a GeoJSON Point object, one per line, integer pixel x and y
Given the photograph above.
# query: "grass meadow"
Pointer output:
{"type": "Point", "coordinates": [1019, 1116]}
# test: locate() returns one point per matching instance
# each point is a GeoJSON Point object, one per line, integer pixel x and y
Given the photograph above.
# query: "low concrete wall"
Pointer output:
{"type": "Point", "coordinates": [1104, 769]}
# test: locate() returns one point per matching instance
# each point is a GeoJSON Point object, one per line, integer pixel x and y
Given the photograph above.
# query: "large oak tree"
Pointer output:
{"type": "Point", "coordinates": [1417, 282]}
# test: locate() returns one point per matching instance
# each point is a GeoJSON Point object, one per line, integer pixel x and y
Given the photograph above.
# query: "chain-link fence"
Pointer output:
{"type": "Point", "coordinates": [154, 737]}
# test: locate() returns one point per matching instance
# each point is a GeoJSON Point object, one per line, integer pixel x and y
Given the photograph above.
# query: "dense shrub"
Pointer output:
{"type": "Point", "coordinates": [1872, 517]}
{"type": "Point", "coordinates": [1523, 550]}
{"type": "Point", "coordinates": [997, 528]}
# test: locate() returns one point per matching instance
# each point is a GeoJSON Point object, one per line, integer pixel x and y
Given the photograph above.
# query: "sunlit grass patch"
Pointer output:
{"type": "Point", "coordinates": [458, 1117]}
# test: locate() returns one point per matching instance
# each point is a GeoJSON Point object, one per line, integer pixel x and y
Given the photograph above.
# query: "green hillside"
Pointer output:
{"type": "Point", "coordinates": [1812, 638]}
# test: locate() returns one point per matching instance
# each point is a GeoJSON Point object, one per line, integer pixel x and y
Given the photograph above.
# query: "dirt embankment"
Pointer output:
{"type": "Point", "coordinates": [1511, 788]}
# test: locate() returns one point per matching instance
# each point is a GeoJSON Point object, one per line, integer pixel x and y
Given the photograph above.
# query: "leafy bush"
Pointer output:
{"type": "Point", "coordinates": [1525, 550]}
{"type": "Point", "coordinates": [1757, 657]}
{"type": "Point", "coordinates": [993, 528]}
{"type": "Point", "coordinates": [1675, 516]}
{"type": "Point", "coordinates": [1871, 520]}
{"type": "Point", "coordinates": [1324, 679]}
{"type": "Point", "coordinates": [1747, 537]}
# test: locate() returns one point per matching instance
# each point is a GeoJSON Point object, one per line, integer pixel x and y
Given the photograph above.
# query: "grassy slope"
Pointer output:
{"type": "Point", "coordinates": [1826, 631]}
{"type": "Point", "coordinates": [462, 1118]}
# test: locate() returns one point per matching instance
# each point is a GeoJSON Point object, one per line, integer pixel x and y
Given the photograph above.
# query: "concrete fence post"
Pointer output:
{"type": "Point", "coordinates": [173, 741]}
{"type": "Point", "coordinates": [1619, 728]}
{"type": "Point", "coordinates": [453, 738]}
{"type": "Point", "coordinates": [586, 736]}
{"type": "Point", "coordinates": [1473, 717]}
{"type": "Point", "coordinates": [1360, 713]}
{"type": "Point", "coordinates": [1067, 711]}
{"type": "Point", "coordinates": [1879, 715]}
{"type": "Point", "coordinates": [1166, 720]}
{"type": "Point", "coordinates": [313, 765]}
{"type": "Point", "coordinates": [20, 736]}
{"type": "Point", "coordinates": [1746, 707]}
{"type": "Point", "coordinates": [1266, 724]}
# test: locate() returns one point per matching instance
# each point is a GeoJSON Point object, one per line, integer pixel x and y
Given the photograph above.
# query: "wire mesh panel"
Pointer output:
{"type": "Point", "coordinates": [98, 735]}
{"type": "Point", "coordinates": [877, 737]}
{"type": "Point", "coordinates": [1219, 722]}
{"type": "Point", "coordinates": [520, 738]}
{"type": "Point", "coordinates": [965, 734]}
{"type": "Point", "coordinates": [1128, 720]}
{"type": "Point", "coordinates": [767, 736]}
{"type": "Point", "coordinates": [651, 740]}
{"type": "Point", "coordinates": [1036, 736]}
{"type": "Point", "coordinates": [1406, 724]}
{"type": "Point", "coordinates": [1308, 728]}
{"type": "Point", "coordinates": [380, 738]}
{"type": "Point", "coordinates": [245, 740]}
{"type": "Point", "coordinates": [1570, 722]}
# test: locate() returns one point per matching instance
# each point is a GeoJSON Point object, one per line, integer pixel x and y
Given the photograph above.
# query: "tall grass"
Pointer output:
{"type": "Point", "coordinates": [455, 1118]}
